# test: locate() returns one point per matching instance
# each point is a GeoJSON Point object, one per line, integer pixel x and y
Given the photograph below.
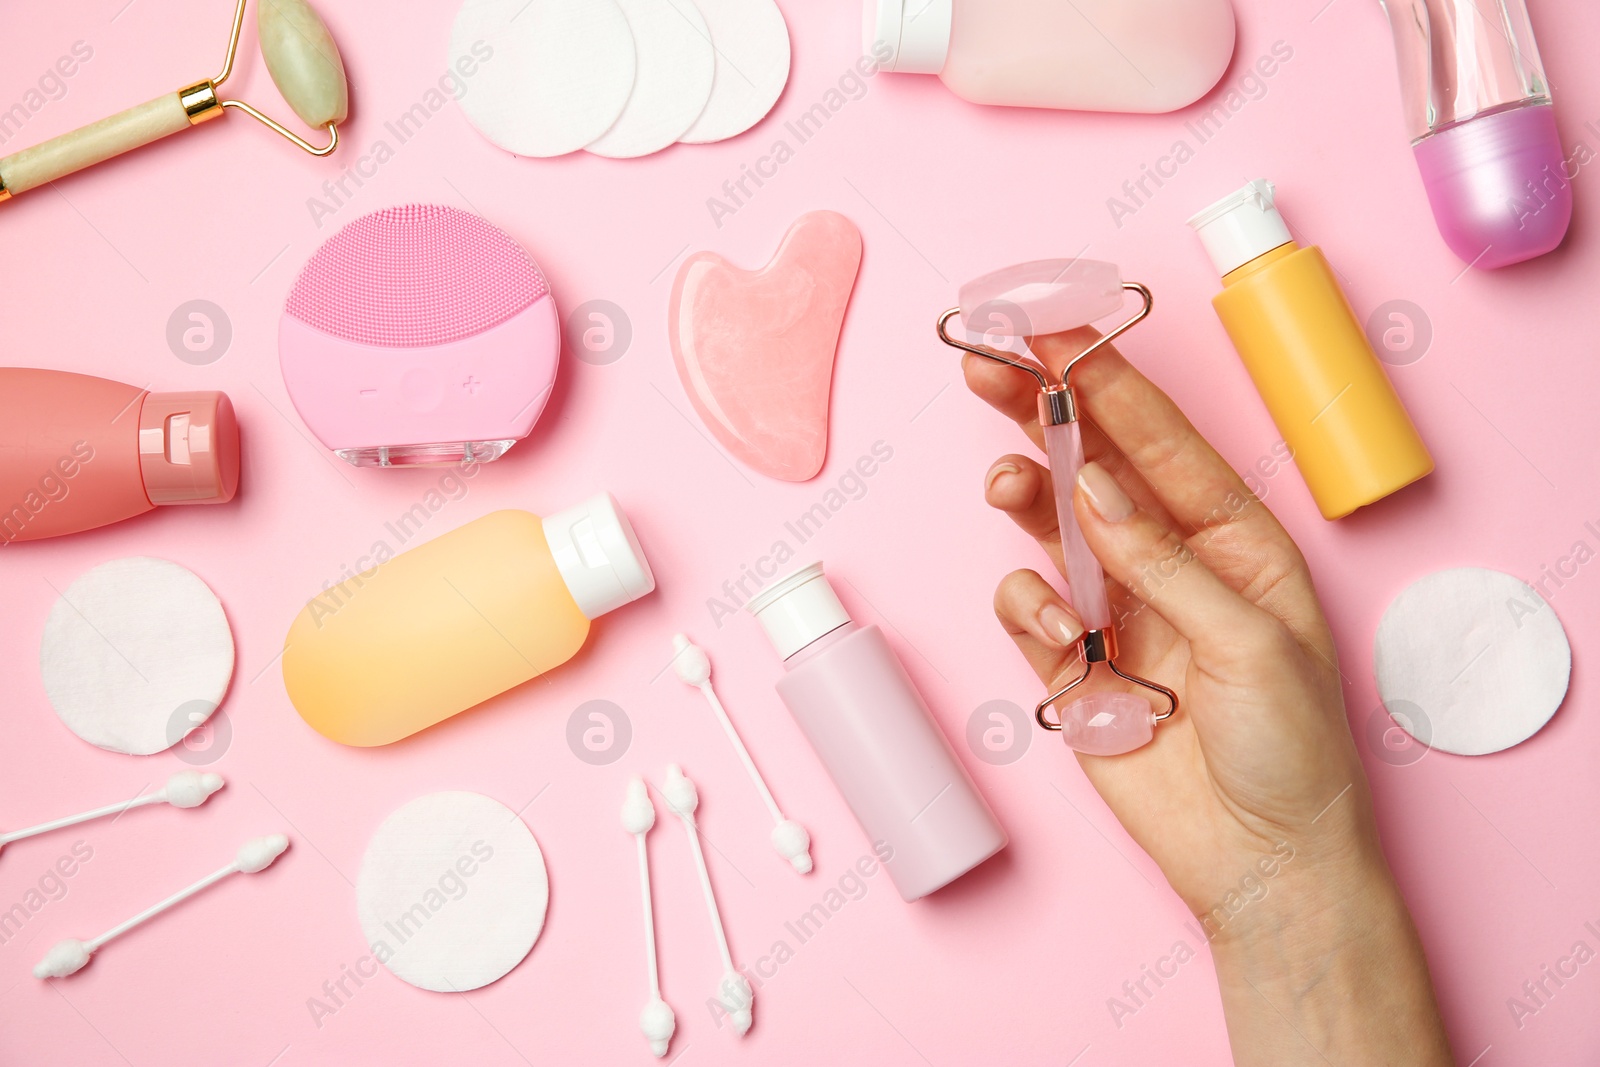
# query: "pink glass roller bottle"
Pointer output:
{"type": "Point", "coordinates": [77, 452]}
{"type": "Point", "coordinates": [1478, 112]}
{"type": "Point", "coordinates": [869, 726]}
{"type": "Point", "coordinates": [1085, 55]}
{"type": "Point", "coordinates": [1000, 312]}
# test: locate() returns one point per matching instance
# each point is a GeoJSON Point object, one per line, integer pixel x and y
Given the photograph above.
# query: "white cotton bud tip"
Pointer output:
{"type": "Point", "coordinates": [190, 789]}
{"type": "Point", "coordinates": [658, 1023]}
{"type": "Point", "coordinates": [691, 662]}
{"type": "Point", "coordinates": [736, 991]}
{"type": "Point", "coordinates": [258, 854]}
{"type": "Point", "coordinates": [638, 814]}
{"type": "Point", "coordinates": [793, 844]}
{"type": "Point", "coordinates": [737, 997]}
{"type": "Point", "coordinates": [67, 957]}
{"type": "Point", "coordinates": [682, 797]}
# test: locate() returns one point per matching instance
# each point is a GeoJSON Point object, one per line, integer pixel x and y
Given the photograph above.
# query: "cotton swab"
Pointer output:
{"type": "Point", "coordinates": [638, 816]}
{"type": "Point", "coordinates": [68, 956]}
{"type": "Point", "coordinates": [186, 789]}
{"type": "Point", "coordinates": [734, 990]}
{"type": "Point", "coordinates": [788, 837]}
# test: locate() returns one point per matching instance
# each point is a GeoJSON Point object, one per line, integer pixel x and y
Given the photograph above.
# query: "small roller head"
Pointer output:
{"type": "Point", "coordinates": [303, 61]}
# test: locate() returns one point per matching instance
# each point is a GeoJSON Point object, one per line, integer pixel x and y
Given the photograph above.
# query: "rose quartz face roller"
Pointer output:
{"type": "Point", "coordinates": [1000, 311]}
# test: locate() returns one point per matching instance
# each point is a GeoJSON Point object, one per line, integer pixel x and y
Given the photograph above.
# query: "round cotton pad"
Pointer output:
{"type": "Point", "coordinates": [673, 82]}
{"type": "Point", "coordinates": [559, 76]}
{"type": "Point", "coordinates": [752, 44]}
{"type": "Point", "coordinates": [418, 333]}
{"type": "Point", "coordinates": [452, 891]}
{"type": "Point", "coordinates": [136, 653]}
{"type": "Point", "coordinates": [1471, 661]}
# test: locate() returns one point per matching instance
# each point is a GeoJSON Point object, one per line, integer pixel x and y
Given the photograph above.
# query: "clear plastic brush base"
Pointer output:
{"type": "Point", "coordinates": [434, 455]}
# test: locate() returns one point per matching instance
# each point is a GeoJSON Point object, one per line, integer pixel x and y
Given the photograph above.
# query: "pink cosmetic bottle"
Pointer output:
{"type": "Point", "coordinates": [1477, 106]}
{"type": "Point", "coordinates": [872, 731]}
{"type": "Point", "coordinates": [77, 452]}
{"type": "Point", "coordinates": [1080, 55]}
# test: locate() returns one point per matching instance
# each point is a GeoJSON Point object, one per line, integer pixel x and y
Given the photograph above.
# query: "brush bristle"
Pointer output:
{"type": "Point", "coordinates": [415, 276]}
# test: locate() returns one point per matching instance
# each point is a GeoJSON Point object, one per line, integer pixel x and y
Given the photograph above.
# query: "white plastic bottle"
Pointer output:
{"type": "Point", "coordinates": [1086, 55]}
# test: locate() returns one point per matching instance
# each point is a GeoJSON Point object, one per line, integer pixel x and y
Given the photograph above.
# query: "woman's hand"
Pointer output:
{"type": "Point", "coordinates": [1252, 799]}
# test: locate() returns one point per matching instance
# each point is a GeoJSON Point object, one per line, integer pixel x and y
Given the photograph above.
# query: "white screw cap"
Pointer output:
{"type": "Point", "coordinates": [1241, 226]}
{"type": "Point", "coordinates": [598, 555]}
{"type": "Point", "coordinates": [916, 33]}
{"type": "Point", "coordinates": [798, 609]}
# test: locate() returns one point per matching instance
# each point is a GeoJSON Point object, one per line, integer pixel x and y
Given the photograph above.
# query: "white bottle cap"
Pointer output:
{"type": "Point", "coordinates": [797, 610]}
{"type": "Point", "coordinates": [1241, 226]}
{"type": "Point", "coordinates": [598, 555]}
{"type": "Point", "coordinates": [916, 33]}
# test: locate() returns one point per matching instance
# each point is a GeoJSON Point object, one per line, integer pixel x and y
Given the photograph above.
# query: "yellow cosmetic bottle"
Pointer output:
{"type": "Point", "coordinates": [1309, 358]}
{"type": "Point", "coordinates": [444, 626]}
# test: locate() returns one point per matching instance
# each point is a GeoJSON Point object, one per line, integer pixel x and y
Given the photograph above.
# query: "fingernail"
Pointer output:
{"type": "Point", "coordinates": [1003, 467]}
{"type": "Point", "coordinates": [1060, 625]}
{"type": "Point", "coordinates": [1104, 494]}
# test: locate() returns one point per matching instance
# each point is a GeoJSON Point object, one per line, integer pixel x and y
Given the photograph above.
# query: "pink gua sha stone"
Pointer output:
{"type": "Point", "coordinates": [755, 349]}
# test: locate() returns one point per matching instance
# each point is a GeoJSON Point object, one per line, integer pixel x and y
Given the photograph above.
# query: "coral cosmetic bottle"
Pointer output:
{"type": "Point", "coordinates": [77, 452]}
{"type": "Point", "coordinates": [444, 626]}
{"type": "Point", "coordinates": [1309, 358]}
{"type": "Point", "coordinates": [1080, 55]}
{"type": "Point", "coordinates": [869, 726]}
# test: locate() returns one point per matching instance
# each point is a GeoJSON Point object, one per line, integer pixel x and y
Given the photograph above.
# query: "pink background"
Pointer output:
{"type": "Point", "coordinates": [1018, 961]}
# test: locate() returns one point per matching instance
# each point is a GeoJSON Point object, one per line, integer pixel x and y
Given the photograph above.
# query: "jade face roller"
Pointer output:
{"type": "Point", "coordinates": [301, 57]}
{"type": "Point", "coordinates": [1006, 308]}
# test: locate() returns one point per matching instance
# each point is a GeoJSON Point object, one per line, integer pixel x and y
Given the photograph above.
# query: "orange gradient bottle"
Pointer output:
{"type": "Point", "coordinates": [447, 625]}
{"type": "Point", "coordinates": [1309, 358]}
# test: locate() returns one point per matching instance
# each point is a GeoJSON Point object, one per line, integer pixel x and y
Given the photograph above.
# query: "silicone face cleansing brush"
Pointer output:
{"type": "Point", "coordinates": [419, 334]}
{"type": "Point", "coordinates": [1000, 312]}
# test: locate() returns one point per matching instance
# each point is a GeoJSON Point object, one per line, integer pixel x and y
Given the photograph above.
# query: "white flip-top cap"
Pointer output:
{"type": "Point", "coordinates": [598, 555]}
{"type": "Point", "coordinates": [797, 610]}
{"type": "Point", "coordinates": [1241, 226]}
{"type": "Point", "coordinates": [917, 33]}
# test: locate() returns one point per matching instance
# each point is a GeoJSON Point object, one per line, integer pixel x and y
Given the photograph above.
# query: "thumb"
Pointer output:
{"type": "Point", "coordinates": [1160, 568]}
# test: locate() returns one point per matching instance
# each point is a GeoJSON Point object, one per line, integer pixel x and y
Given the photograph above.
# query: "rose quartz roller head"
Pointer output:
{"type": "Point", "coordinates": [1000, 311]}
{"type": "Point", "coordinates": [419, 335]}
